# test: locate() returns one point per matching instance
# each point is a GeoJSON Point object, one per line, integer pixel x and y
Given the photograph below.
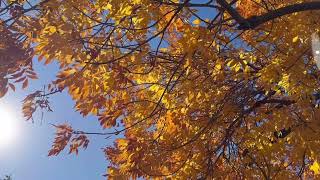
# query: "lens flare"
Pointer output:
{"type": "Point", "coordinates": [8, 127]}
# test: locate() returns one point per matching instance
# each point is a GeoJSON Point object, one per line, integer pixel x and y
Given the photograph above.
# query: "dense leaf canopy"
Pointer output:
{"type": "Point", "coordinates": [195, 89]}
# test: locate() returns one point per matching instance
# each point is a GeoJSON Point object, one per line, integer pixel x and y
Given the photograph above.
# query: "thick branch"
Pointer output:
{"type": "Point", "coordinates": [234, 13]}
{"type": "Point", "coordinates": [208, 5]}
{"type": "Point", "coordinates": [255, 21]}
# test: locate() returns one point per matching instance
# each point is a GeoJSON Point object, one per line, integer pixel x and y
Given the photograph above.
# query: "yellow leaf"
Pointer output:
{"type": "Point", "coordinates": [295, 39]}
{"type": "Point", "coordinates": [242, 56]}
{"type": "Point", "coordinates": [237, 67]}
{"type": "Point", "coordinates": [315, 167]}
{"type": "Point", "coordinates": [137, 1]}
{"type": "Point", "coordinates": [107, 7]}
{"type": "Point", "coordinates": [196, 22]}
{"type": "Point", "coordinates": [52, 29]}
{"type": "Point", "coordinates": [218, 66]}
{"type": "Point", "coordinates": [199, 95]}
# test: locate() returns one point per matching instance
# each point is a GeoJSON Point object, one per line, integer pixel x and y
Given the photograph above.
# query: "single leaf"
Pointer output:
{"type": "Point", "coordinates": [295, 39]}
{"type": "Point", "coordinates": [25, 84]}
{"type": "Point", "coordinates": [196, 22]}
{"type": "Point", "coordinates": [315, 167]}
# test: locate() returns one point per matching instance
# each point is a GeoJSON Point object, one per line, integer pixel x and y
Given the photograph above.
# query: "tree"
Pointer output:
{"type": "Point", "coordinates": [230, 94]}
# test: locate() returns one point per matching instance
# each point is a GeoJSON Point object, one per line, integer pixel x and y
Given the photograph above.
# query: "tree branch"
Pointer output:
{"type": "Point", "coordinates": [234, 13]}
{"type": "Point", "coordinates": [254, 21]}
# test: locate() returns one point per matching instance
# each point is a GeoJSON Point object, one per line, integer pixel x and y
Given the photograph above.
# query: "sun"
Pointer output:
{"type": "Point", "coordinates": [8, 127]}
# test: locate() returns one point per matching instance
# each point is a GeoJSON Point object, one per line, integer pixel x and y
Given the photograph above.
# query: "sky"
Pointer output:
{"type": "Point", "coordinates": [26, 158]}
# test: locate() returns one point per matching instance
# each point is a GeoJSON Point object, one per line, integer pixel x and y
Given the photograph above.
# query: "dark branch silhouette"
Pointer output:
{"type": "Point", "coordinates": [254, 21]}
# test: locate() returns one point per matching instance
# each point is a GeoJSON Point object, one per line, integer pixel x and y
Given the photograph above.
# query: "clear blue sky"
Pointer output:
{"type": "Point", "coordinates": [26, 159]}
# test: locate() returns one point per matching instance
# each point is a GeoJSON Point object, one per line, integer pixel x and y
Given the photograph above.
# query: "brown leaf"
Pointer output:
{"type": "Point", "coordinates": [3, 92]}
{"type": "Point", "coordinates": [20, 80]}
{"type": "Point", "coordinates": [25, 84]}
{"type": "Point", "coordinates": [12, 87]}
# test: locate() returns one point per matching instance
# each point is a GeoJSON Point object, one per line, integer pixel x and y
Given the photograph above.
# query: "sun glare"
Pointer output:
{"type": "Point", "coordinates": [8, 127]}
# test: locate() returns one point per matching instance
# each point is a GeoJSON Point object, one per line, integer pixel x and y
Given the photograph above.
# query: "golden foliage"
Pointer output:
{"type": "Point", "coordinates": [194, 97]}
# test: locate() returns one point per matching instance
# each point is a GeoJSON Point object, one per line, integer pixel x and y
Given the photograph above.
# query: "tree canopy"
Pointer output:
{"type": "Point", "coordinates": [195, 89]}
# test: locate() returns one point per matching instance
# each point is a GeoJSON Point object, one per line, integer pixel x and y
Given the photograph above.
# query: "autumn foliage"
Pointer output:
{"type": "Point", "coordinates": [197, 90]}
